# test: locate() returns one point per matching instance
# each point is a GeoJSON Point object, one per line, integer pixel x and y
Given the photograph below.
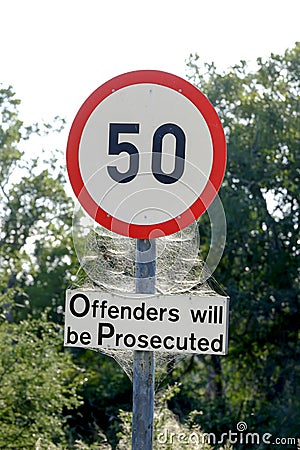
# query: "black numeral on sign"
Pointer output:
{"type": "Point", "coordinates": [115, 148]}
{"type": "Point", "coordinates": [157, 147]}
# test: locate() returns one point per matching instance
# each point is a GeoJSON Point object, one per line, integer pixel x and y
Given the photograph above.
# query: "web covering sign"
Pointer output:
{"type": "Point", "coordinates": [168, 323]}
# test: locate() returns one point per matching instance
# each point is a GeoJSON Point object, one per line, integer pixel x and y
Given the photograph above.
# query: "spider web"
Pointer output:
{"type": "Point", "coordinates": [109, 263]}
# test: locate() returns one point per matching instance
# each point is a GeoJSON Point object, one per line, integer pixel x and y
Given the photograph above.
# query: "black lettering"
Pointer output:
{"type": "Point", "coordinates": [221, 314]}
{"type": "Point", "coordinates": [143, 341]}
{"type": "Point", "coordinates": [123, 311]}
{"type": "Point", "coordinates": [162, 311]}
{"type": "Point", "coordinates": [115, 148]}
{"type": "Point", "coordinates": [72, 336]}
{"type": "Point", "coordinates": [157, 155]}
{"type": "Point", "coordinates": [198, 316]}
{"type": "Point", "coordinates": [192, 340]}
{"type": "Point", "coordinates": [203, 344]}
{"type": "Point", "coordinates": [182, 346]}
{"type": "Point", "coordinates": [217, 344]}
{"type": "Point", "coordinates": [105, 335]}
{"type": "Point", "coordinates": [103, 306]}
{"type": "Point", "coordinates": [216, 314]}
{"type": "Point", "coordinates": [152, 314]}
{"type": "Point", "coordinates": [113, 312]}
{"type": "Point", "coordinates": [210, 314]}
{"type": "Point", "coordinates": [118, 338]}
{"type": "Point", "coordinates": [127, 339]}
{"type": "Point", "coordinates": [173, 315]}
{"type": "Point", "coordinates": [86, 305]}
{"type": "Point", "coordinates": [155, 341]}
{"type": "Point", "coordinates": [95, 305]}
{"type": "Point", "coordinates": [85, 338]}
{"type": "Point", "coordinates": [139, 312]}
{"type": "Point", "coordinates": [168, 338]}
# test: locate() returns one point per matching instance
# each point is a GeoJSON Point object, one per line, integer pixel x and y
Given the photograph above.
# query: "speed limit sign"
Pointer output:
{"type": "Point", "coordinates": [146, 154]}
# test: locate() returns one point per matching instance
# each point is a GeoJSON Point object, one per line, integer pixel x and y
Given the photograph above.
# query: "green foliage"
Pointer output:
{"type": "Point", "coordinates": [38, 383]}
{"type": "Point", "coordinates": [169, 433]}
{"type": "Point", "coordinates": [36, 249]}
{"type": "Point", "coordinates": [259, 380]}
{"type": "Point", "coordinates": [106, 390]}
{"type": "Point", "coordinates": [36, 258]}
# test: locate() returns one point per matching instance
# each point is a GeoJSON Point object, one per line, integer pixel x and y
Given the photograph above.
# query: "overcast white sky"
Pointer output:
{"type": "Point", "coordinates": [56, 53]}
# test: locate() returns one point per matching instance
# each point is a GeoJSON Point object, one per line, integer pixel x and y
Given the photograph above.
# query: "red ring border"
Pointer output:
{"type": "Point", "coordinates": [213, 122]}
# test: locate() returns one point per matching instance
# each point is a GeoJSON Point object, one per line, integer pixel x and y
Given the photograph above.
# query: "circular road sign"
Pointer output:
{"type": "Point", "coordinates": [146, 154]}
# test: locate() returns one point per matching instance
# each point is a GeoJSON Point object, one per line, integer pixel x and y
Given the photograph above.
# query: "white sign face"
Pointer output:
{"type": "Point", "coordinates": [121, 138]}
{"type": "Point", "coordinates": [172, 323]}
{"type": "Point", "coordinates": [146, 154]}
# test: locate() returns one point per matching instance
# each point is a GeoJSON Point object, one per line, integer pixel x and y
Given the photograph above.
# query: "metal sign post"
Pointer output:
{"type": "Point", "coordinates": [143, 362]}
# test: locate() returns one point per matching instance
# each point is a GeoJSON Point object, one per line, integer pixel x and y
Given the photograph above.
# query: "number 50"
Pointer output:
{"type": "Point", "coordinates": [115, 148]}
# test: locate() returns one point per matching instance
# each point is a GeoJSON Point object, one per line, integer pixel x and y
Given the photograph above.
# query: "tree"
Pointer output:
{"type": "Point", "coordinates": [38, 383]}
{"type": "Point", "coordinates": [42, 383]}
{"type": "Point", "coordinates": [35, 243]}
{"type": "Point", "coordinates": [259, 380]}
{"type": "Point", "coordinates": [38, 380]}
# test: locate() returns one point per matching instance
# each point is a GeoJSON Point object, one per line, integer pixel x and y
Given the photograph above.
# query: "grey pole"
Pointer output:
{"type": "Point", "coordinates": [143, 362]}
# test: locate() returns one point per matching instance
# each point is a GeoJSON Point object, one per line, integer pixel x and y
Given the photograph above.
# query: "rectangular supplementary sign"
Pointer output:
{"type": "Point", "coordinates": [166, 323]}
